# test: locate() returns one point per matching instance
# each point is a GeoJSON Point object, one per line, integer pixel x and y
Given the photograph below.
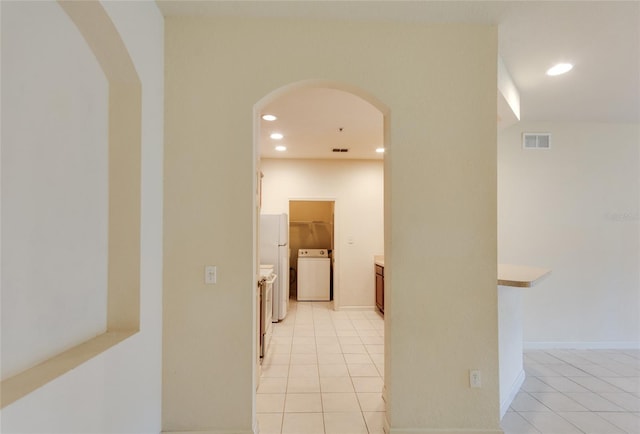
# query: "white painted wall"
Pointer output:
{"type": "Point", "coordinates": [574, 209]}
{"type": "Point", "coordinates": [357, 188]}
{"type": "Point", "coordinates": [512, 373]}
{"type": "Point", "coordinates": [55, 185]}
{"type": "Point", "coordinates": [119, 390]}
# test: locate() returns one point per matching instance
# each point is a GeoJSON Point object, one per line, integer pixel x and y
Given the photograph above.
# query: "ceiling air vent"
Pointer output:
{"type": "Point", "coordinates": [340, 150]}
{"type": "Point", "coordinates": [536, 140]}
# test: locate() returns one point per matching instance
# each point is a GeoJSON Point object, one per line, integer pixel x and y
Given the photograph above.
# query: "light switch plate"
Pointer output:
{"type": "Point", "coordinates": [475, 379]}
{"type": "Point", "coordinates": [210, 274]}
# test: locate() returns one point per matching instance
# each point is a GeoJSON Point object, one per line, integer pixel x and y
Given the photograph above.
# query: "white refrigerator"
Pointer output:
{"type": "Point", "coordinates": [274, 249]}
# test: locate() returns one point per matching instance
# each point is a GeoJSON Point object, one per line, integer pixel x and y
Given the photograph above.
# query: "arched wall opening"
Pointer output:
{"type": "Point", "coordinates": [340, 206]}
{"type": "Point", "coordinates": [71, 339]}
{"type": "Point", "coordinates": [318, 120]}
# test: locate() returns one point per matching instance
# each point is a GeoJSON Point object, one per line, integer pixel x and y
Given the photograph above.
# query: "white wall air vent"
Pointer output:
{"type": "Point", "coordinates": [536, 140]}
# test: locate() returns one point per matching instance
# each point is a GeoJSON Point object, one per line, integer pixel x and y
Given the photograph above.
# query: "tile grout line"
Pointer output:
{"type": "Point", "coordinates": [352, 331]}
{"type": "Point", "coordinates": [569, 359]}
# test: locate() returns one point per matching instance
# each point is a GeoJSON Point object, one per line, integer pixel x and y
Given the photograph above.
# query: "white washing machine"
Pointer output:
{"type": "Point", "coordinates": [314, 275]}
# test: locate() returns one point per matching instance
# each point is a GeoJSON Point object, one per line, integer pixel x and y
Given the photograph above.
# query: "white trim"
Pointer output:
{"type": "Point", "coordinates": [513, 391]}
{"type": "Point", "coordinates": [445, 431]}
{"type": "Point", "coordinates": [605, 345]}
{"type": "Point", "coordinates": [357, 308]}
{"type": "Point", "coordinates": [336, 257]}
{"type": "Point", "coordinates": [211, 432]}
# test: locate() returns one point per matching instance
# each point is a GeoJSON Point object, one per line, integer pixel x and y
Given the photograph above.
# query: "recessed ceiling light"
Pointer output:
{"type": "Point", "coordinates": [379, 150]}
{"type": "Point", "coordinates": [269, 118]}
{"type": "Point", "coordinates": [560, 68]}
{"type": "Point", "coordinates": [281, 148]}
{"type": "Point", "coordinates": [276, 136]}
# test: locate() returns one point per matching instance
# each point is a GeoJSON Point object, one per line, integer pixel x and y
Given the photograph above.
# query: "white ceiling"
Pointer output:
{"type": "Point", "coordinates": [602, 40]}
{"type": "Point", "coordinates": [311, 119]}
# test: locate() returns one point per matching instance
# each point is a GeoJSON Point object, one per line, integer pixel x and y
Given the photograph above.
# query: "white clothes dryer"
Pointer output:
{"type": "Point", "coordinates": [314, 275]}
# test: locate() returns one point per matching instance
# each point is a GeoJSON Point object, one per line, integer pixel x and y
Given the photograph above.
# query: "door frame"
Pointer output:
{"type": "Point", "coordinates": [386, 119]}
{"type": "Point", "coordinates": [336, 266]}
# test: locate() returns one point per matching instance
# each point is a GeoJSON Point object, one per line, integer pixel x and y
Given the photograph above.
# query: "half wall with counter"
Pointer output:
{"type": "Point", "coordinates": [511, 281]}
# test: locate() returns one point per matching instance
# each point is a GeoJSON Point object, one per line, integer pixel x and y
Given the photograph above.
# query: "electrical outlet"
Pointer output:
{"type": "Point", "coordinates": [475, 379]}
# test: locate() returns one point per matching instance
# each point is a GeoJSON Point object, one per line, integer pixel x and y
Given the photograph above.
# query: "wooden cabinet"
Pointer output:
{"type": "Point", "coordinates": [380, 287]}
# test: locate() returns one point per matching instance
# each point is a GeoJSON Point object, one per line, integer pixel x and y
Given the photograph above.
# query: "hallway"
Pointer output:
{"type": "Point", "coordinates": [323, 372]}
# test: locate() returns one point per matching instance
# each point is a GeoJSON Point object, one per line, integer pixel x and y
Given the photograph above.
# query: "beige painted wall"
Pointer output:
{"type": "Point", "coordinates": [440, 219]}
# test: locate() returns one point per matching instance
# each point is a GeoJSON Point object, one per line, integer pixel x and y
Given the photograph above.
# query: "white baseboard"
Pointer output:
{"type": "Point", "coordinates": [357, 308]}
{"type": "Point", "coordinates": [443, 431]}
{"type": "Point", "coordinates": [607, 345]}
{"type": "Point", "coordinates": [513, 391]}
{"type": "Point", "coordinates": [212, 432]}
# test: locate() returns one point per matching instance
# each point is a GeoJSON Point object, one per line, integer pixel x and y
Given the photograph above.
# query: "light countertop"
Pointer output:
{"type": "Point", "coordinates": [520, 276]}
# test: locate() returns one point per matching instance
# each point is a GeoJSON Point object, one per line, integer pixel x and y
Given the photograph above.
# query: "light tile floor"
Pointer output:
{"type": "Point", "coordinates": [323, 374]}
{"type": "Point", "coordinates": [577, 391]}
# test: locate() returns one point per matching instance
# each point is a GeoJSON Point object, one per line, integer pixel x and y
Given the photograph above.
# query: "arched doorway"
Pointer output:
{"type": "Point", "coordinates": [346, 261]}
